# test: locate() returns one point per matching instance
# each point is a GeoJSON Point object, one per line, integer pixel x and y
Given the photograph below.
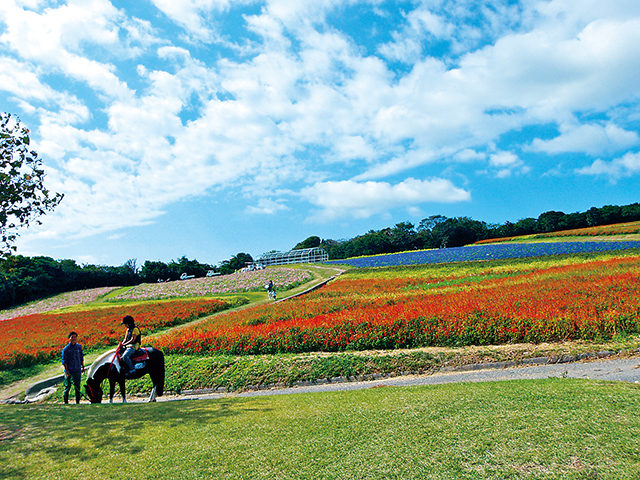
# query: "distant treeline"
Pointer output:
{"type": "Point", "coordinates": [440, 232]}
{"type": "Point", "coordinates": [30, 278]}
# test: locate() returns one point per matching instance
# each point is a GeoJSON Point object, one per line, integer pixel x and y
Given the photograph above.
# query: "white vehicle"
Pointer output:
{"type": "Point", "coordinates": [211, 273]}
{"type": "Point", "coordinates": [184, 276]}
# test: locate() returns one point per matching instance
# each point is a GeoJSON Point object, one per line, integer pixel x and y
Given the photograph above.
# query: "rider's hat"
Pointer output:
{"type": "Point", "coordinates": [128, 320]}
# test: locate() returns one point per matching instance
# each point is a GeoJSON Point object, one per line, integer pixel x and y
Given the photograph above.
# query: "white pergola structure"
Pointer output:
{"type": "Point", "coordinates": [303, 255]}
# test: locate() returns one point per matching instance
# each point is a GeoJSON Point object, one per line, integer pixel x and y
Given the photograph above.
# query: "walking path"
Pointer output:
{"type": "Point", "coordinates": [610, 369]}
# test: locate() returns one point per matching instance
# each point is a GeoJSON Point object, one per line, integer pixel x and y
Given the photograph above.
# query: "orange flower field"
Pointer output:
{"type": "Point", "coordinates": [33, 338]}
{"type": "Point", "coordinates": [397, 309]}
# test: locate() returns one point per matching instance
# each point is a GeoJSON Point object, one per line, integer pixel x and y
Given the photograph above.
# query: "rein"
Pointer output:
{"type": "Point", "coordinates": [114, 358]}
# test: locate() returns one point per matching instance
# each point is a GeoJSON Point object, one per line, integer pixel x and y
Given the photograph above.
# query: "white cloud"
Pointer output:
{"type": "Point", "coordinates": [58, 37]}
{"type": "Point", "coordinates": [306, 102]}
{"type": "Point", "coordinates": [505, 164]}
{"type": "Point", "coordinates": [350, 199]}
{"type": "Point", "coordinates": [193, 15]}
{"type": "Point", "coordinates": [354, 147]}
{"type": "Point", "coordinates": [625, 166]}
{"type": "Point", "coordinates": [266, 206]}
{"type": "Point", "coordinates": [593, 139]}
{"type": "Point", "coordinates": [469, 155]}
{"type": "Point", "coordinates": [504, 159]}
{"type": "Point", "coordinates": [409, 42]}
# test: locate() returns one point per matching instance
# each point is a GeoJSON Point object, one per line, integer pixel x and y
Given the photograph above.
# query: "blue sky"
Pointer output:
{"type": "Point", "coordinates": [210, 127]}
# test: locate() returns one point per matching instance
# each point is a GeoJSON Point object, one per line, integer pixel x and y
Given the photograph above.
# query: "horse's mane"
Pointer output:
{"type": "Point", "coordinates": [104, 359]}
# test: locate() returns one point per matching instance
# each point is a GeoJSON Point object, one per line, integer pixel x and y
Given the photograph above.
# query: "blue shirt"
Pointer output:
{"type": "Point", "coordinates": [72, 356]}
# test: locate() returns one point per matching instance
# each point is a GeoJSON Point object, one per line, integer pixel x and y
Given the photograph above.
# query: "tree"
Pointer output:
{"type": "Point", "coordinates": [152, 271]}
{"type": "Point", "coordinates": [236, 262]}
{"type": "Point", "coordinates": [190, 267]}
{"type": "Point", "coordinates": [23, 197]}
{"type": "Point", "coordinates": [459, 231]}
{"type": "Point", "coordinates": [403, 237]}
{"type": "Point", "coordinates": [551, 221]}
{"type": "Point", "coordinates": [310, 242]}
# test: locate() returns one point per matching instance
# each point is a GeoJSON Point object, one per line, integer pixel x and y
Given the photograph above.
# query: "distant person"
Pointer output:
{"type": "Point", "coordinates": [73, 363]}
{"type": "Point", "coordinates": [271, 289]}
{"type": "Point", "coordinates": [131, 342]}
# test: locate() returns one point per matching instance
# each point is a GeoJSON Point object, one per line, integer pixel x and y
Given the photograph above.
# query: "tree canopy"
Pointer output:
{"type": "Point", "coordinates": [23, 196]}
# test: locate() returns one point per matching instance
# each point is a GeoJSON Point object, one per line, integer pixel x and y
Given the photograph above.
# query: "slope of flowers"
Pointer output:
{"type": "Point", "coordinates": [485, 252]}
{"type": "Point", "coordinates": [586, 299]}
{"type": "Point", "coordinates": [37, 337]}
{"type": "Point", "coordinates": [616, 229]}
{"type": "Point", "coordinates": [67, 299]}
{"type": "Point", "coordinates": [283, 278]}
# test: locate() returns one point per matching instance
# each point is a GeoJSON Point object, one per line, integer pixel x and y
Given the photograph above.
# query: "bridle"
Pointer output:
{"type": "Point", "coordinates": [90, 390]}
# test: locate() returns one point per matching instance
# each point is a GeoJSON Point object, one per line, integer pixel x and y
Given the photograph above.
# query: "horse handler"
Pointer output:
{"type": "Point", "coordinates": [73, 363]}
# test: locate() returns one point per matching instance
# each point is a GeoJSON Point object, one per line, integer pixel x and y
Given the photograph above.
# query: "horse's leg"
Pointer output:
{"type": "Point", "coordinates": [122, 389]}
{"type": "Point", "coordinates": [112, 389]}
{"type": "Point", "coordinates": [152, 397]}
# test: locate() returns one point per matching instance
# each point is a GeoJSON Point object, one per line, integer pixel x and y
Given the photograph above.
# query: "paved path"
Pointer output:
{"type": "Point", "coordinates": [609, 369]}
{"type": "Point", "coordinates": [613, 369]}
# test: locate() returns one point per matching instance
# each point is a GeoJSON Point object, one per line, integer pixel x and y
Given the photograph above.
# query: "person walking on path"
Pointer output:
{"type": "Point", "coordinates": [271, 289]}
{"type": "Point", "coordinates": [73, 363]}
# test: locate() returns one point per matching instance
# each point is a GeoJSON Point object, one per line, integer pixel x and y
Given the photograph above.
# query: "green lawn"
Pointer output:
{"type": "Point", "coordinates": [548, 429]}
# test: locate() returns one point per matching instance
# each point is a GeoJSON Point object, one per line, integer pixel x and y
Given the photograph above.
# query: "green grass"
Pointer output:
{"type": "Point", "coordinates": [543, 429]}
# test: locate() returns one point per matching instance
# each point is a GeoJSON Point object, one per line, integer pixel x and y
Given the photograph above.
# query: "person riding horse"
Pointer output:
{"type": "Point", "coordinates": [131, 342]}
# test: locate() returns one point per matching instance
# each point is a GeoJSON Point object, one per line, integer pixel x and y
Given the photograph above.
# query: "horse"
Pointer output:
{"type": "Point", "coordinates": [109, 365]}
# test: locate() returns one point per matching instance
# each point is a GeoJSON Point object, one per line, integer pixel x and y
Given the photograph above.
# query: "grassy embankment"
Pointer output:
{"type": "Point", "coordinates": [543, 429]}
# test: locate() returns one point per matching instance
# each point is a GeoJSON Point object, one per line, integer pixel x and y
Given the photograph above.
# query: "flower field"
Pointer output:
{"type": "Point", "coordinates": [630, 228]}
{"type": "Point", "coordinates": [282, 277]}
{"type": "Point", "coordinates": [67, 299]}
{"type": "Point", "coordinates": [533, 300]}
{"type": "Point", "coordinates": [38, 337]}
{"type": "Point", "coordinates": [485, 252]}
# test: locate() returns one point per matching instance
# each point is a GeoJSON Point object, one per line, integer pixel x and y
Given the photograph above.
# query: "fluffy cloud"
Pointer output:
{"type": "Point", "coordinates": [58, 39]}
{"type": "Point", "coordinates": [132, 118]}
{"type": "Point", "coordinates": [347, 198]}
{"type": "Point", "coordinates": [593, 139]}
{"type": "Point", "coordinates": [505, 164]}
{"type": "Point", "coordinates": [616, 169]}
{"type": "Point", "coordinates": [192, 15]}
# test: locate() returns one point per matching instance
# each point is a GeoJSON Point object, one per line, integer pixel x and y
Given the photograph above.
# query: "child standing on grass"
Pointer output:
{"type": "Point", "coordinates": [73, 363]}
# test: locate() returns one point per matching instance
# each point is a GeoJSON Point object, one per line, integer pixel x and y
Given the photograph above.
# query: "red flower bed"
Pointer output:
{"type": "Point", "coordinates": [33, 338]}
{"type": "Point", "coordinates": [597, 299]}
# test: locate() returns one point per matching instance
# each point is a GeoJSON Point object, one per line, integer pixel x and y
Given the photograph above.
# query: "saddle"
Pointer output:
{"type": "Point", "coordinates": [139, 360]}
{"type": "Point", "coordinates": [142, 355]}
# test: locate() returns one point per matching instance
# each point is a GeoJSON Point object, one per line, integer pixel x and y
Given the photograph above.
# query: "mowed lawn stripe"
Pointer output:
{"type": "Point", "coordinates": [551, 429]}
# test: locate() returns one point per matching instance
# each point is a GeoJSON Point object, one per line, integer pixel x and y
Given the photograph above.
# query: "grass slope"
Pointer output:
{"type": "Point", "coordinates": [546, 429]}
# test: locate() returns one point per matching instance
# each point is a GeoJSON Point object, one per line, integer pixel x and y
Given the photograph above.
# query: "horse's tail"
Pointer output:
{"type": "Point", "coordinates": [159, 372]}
